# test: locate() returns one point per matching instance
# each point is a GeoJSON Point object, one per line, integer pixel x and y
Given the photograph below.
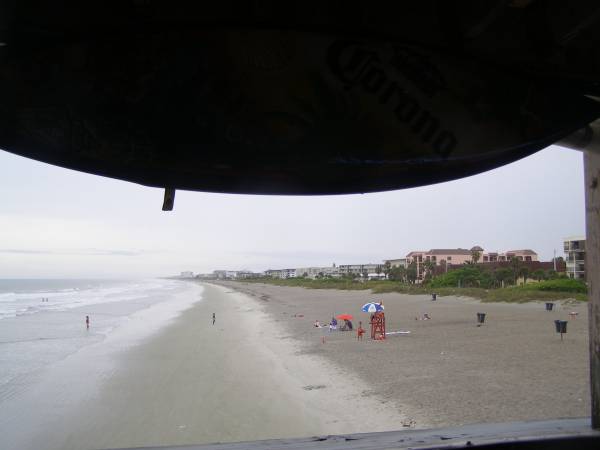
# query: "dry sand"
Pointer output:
{"type": "Point", "coordinates": [448, 371]}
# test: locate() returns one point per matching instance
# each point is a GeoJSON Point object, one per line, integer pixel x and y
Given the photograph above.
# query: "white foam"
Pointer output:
{"type": "Point", "coordinates": [25, 303]}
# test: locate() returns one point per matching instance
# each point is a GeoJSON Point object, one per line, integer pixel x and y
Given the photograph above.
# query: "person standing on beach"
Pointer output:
{"type": "Point", "coordinates": [360, 331]}
{"type": "Point", "coordinates": [214, 318]}
{"type": "Point", "coordinates": [87, 322]}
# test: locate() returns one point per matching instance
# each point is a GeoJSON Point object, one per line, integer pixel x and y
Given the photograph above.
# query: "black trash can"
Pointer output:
{"type": "Point", "coordinates": [549, 306]}
{"type": "Point", "coordinates": [433, 297]}
{"type": "Point", "coordinates": [480, 318]}
{"type": "Point", "coordinates": [561, 326]}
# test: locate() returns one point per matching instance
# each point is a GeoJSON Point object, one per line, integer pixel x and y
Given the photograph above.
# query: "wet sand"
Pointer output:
{"type": "Point", "coordinates": [448, 371]}
{"type": "Point", "coordinates": [194, 383]}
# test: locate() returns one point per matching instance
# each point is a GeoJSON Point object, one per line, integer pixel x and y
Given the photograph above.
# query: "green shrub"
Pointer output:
{"type": "Point", "coordinates": [558, 285]}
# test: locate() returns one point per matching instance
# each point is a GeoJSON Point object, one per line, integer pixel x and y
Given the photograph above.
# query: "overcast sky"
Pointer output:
{"type": "Point", "coordinates": [60, 223]}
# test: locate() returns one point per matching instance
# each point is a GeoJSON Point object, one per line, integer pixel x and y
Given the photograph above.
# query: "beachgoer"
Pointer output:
{"type": "Point", "coordinates": [360, 331]}
{"type": "Point", "coordinates": [317, 324]}
{"type": "Point", "coordinates": [349, 324]}
{"type": "Point", "coordinates": [87, 322]}
{"type": "Point", "coordinates": [214, 318]}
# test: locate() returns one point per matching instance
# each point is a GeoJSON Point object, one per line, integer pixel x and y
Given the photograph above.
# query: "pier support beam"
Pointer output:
{"type": "Point", "coordinates": [592, 270]}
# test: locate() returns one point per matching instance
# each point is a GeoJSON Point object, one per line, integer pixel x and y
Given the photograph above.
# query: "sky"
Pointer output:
{"type": "Point", "coordinates": [58, 223]}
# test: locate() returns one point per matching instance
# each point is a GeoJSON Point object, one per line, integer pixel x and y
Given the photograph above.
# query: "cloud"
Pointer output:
{"type": "Point", "coordinates": [75, 252]}
{"type": "Point", "coordinates": [306, 256]}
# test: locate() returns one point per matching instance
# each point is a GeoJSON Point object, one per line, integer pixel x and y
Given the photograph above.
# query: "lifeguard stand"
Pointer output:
{"type": "Point", "coordinates": [378, 326]}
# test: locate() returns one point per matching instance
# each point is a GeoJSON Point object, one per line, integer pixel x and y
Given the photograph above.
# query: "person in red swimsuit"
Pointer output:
{"type": "Point", "coordinates": [360, 331]}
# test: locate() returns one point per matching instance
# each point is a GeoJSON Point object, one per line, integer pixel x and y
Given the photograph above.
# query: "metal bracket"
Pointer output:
{"type": "Point", "coordinates": [169, 199]}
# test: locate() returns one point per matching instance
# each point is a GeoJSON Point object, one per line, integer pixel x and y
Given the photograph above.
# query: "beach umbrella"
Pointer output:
{"type": "Point", "coordinates": [344, 317]}
{"type": "Point", "coordinates": [372, 307]}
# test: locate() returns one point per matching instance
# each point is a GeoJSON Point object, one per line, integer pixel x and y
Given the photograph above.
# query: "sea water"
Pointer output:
{"type": "Point", "coordinates": [43, 321]}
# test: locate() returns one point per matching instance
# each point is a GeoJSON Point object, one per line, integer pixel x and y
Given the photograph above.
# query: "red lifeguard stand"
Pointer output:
{"type": "Point", "coordinates": [378, 326]}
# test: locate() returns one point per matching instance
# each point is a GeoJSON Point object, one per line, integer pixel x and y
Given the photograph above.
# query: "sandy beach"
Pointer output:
{"type": "Point", "coordinates": [448, 371]}
{"type": "Point", "coordinates": [191, 383]}
{"type": "Point", "coordinates": [264, 371]}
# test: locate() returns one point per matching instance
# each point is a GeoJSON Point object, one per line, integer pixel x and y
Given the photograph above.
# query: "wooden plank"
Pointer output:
{"type": "Point", "coordinates": [592, 270]}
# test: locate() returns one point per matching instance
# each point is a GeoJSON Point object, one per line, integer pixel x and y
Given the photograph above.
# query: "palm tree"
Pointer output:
{"type": "Point", "coordinates": [429, 267]}
{"type": "Point", "coordinates": [538, 274]}
{"type": "Point", "coordinates": [411, 272]}
{"type": "Point", "coordinates": [515, 265]}
{"type": "Point", "coordinates": [386, 269]}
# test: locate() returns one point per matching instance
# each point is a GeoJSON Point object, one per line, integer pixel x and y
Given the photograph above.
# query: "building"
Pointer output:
{"type": "Point", "coordinates": [358, 270]}
{"type": "Point", "coordinates": [449, 256]}
{"type": "Point", "coordinates": [317, 272]}
{"type": "Point", "coordinates": [220, 274]}
{"type": "Point", "coordinates": [273, 273]}
{"type": "Point", "coordinates": [521, 255]}
{"type": "Point", "coordinates": [187, 274]}
{"type": "Point", "coordinates": [400, 262]}
{"type": "Point", "coordinates": [574, 247]}
{"type": "Point", "coordinates": [288, 273]}
{"type": "Point", "coordinates": [460, 256]}
{"type": "Point", "coordinates": [243, 274]}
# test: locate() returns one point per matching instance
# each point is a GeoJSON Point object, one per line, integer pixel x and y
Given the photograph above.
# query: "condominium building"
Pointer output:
{"type": "Point", "coordinates": [521, 255]}
{"type": "Point", "coordinates": [459, 256]}
{"type": "Point", "coordinates": [399, 262]}
{"type": "Point", "coordinates": [359, 269]}
{"type": "Point", "coordinates": [288, 273]}
{"type": "Point", "coordinates": [273, 273]}
{"type": "Point", "coordinates": [220, 274]}
{"type": "Point", "coordinates": [315, 272]}
{"type": "Point", "coordinates": [243, 274]}
{"type": "Point", "coordinates": [574, 247]}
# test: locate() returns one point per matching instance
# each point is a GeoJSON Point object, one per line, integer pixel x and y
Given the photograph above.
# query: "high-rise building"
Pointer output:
{"type": "Point", "coordinates": [574, 247]}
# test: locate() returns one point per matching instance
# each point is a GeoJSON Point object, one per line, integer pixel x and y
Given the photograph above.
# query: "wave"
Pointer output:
{"type": "Point", "coordinates": [22, 303]}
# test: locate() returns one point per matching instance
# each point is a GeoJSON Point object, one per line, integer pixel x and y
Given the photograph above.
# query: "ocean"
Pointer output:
{"type": "Point", "coordinates": [29, 296]}
{"type": "Point", "coordinates": [42, 322]}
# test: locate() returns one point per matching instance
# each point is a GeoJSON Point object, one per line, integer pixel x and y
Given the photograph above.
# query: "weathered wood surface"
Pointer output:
{"type": "Point", "coordinates": [592, 269]}
{"type": "Point", "coordinates": [564, 433]}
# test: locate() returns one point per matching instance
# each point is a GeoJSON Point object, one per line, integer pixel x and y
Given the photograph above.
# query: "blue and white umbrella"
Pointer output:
{"type": "Point", "coordinates": [372, 307]}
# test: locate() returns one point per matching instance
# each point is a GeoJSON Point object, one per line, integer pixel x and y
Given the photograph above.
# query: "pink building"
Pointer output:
{"type": "Point", "coordinates": [460, 256]}
{"type": "Point", "coordinates": [521, 255]}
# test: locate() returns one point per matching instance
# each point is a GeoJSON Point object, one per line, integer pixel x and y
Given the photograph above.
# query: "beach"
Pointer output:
{"type": "Point", "coordinates": [167, 376]}
{"type": "Point", "coordinates": [191, 382]}
{"type": "Point", "coordinates": [447, 371]}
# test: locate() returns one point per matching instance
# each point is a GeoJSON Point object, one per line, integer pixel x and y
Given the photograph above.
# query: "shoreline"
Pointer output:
{"type": "Point", "coordinates": [193, 383]}
{"type": "Point", "coordinates": [37, 401]}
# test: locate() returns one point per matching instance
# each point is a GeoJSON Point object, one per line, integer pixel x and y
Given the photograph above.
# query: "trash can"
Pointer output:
{"type": "Point", "coordinates": [433, 297]}
{"type": "Point", "coordinates": [480, 318]}
{"type": "Point", "coordinates": [561, 326]}
{"type": "Point", "coordinates": [549, 306]}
